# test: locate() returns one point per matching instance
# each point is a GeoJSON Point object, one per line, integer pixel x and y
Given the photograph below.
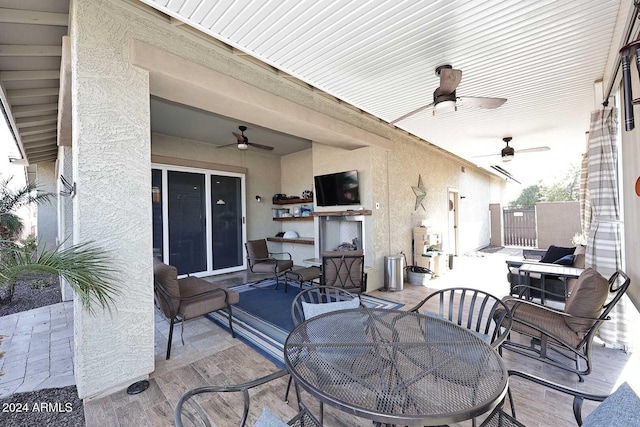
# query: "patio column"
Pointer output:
{"type": "Point", "coordinates": [65, 213]}
{"type": "Point", "coordinates": [47, 211]}
{"type": "Point", "coordinates": [112, 171]}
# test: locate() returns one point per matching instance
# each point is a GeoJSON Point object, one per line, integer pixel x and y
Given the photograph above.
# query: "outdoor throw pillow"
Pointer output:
{"type": "Point", "coordinates": [554, 253]}
{"type": "Point", "coordinates": [267, 419]}
{"type": "Point", "coordinates": [586, 300]}
{"type": "Point", "coordinates": [565, 260]}
{"type": "Point", "coordinates": [313, 310]}
{"type": "Point", "coordinates": [622, 408]}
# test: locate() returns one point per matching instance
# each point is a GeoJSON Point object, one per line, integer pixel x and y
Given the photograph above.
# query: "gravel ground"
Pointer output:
{"type": "Point", "coordinates": [33, 291]}
{"type": "Point", "coordinates": [52, 407]}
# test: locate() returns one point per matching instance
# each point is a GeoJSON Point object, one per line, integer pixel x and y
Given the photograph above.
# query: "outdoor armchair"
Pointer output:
{"type": "Point", "coordinates": [187, 298]}
{"type": "Point", "coordinates": [563, 338]}
{"type": "Point", "coordinates": [344, 269]}
{"type": "Point", "coordinates": [621, 408]}
{"type": "Point", "coordinates": [191, 409]}
{"type": "Point", "coordinates": [260, 260]}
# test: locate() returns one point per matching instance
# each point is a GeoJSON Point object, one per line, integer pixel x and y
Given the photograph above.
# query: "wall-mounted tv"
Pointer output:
{"type": "Point", "coordinates": [337, 189]}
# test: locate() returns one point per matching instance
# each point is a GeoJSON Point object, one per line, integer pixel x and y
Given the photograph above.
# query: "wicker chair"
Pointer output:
{"type": "Point", "coordinates": [620, 408]}
{"type": "Point", "coordinates": [191, 407]}
{"type": "Point", "coordinates": [482, 313]}
{"type": "Point", "coordinates": [563, 338]}
{"type": "Point", "coordinates": [260, 260]}
{"type": "Point", "coordinates": [187, 298]}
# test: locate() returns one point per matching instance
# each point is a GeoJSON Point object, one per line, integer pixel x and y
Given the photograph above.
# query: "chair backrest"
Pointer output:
{"type": "Point", "coordinates": [343, 269]}
{"type": "Point", "coordinates": [318, 295]}
{"type": "Point", "coordinates": [472, 309]}
{"type": "Point", "coordinates": [256, 249]}
{"type": "Point", "coordinates": [618, 285]}
{"type": "Point", "coordinates": [166, 287]}
{"type": "Point", "coordinates": [194, 407]}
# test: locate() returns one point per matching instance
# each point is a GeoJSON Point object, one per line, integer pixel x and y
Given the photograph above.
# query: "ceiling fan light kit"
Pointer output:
{"type": "Point", "coordinates": [445, 98]}
{"type": "Point", "coordinates": [242, 142]}
{"type": "Point", "coordinates": [507, 152]}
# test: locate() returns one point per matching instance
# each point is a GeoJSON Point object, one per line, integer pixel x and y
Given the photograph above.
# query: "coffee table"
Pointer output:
{"type": "Point", "coordinates": [396, 367]}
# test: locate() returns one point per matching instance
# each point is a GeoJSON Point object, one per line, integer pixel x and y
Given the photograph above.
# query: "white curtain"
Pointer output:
{"type": "Point", "coordinates": [604, 243]}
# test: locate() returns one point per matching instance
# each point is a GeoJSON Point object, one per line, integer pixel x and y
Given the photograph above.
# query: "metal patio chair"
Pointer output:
{"type": "Point", "coordinates": [563, 338]}
{"type": "Point", "coordinates": [191, 409]}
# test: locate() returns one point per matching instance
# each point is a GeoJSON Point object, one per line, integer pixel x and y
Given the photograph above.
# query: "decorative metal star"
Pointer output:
{"type": "Point", "coordinates": [420, 193]}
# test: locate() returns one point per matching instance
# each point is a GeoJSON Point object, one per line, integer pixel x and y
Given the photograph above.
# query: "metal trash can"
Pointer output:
{"type": "Point", "coordinates": [393, 273]}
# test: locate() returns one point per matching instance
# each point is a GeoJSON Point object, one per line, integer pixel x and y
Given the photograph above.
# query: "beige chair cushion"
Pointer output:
{"type": "Point", "coordinates": [167, 277]}
{"type": "Point", "coordinates": [190, 286]}
{"type": "Point", "coordinates": [546, 320]}
{"type": "Point", "coordinates": [586, 300]}
{"type": "Point", "coordinates": [272, 266]}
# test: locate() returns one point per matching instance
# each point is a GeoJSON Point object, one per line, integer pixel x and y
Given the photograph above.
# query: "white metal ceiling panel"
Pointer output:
{"type": "Point", "coordinates": [380, 55]}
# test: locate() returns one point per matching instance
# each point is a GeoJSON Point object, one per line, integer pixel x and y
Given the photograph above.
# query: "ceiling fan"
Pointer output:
{"type": "Point", "coordinates": [243, 142]}
{"type": "Point", "coordinates": [508, 152]}
{"type": "Point", "coordinates": [445, 99]}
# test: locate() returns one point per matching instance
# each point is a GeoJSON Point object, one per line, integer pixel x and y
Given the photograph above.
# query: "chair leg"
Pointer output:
{"type": "Point", "coordinates": [286, 394]}
{"type": "Point", "coordinates": [233, 334]}
{"type": "Point", "coordinates": [170, 339]}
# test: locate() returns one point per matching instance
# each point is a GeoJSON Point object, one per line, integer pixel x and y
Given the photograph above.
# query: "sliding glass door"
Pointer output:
{"type": "Point", "coordinates": [198, 219]}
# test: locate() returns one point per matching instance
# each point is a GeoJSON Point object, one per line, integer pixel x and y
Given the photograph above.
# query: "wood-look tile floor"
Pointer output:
{"type": "Point", "coordinates": [211, 356]}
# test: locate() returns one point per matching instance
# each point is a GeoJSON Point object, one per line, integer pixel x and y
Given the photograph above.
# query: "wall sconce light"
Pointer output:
{"type": "Point", "coordinates": [68, 188]}
{"type": "Point", "coordinates": [463, 197]}
{"type": "Point", "coordinates": [258, 199]}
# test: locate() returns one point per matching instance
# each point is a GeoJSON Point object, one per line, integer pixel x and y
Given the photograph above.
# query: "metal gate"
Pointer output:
{"type": "Point", "coordinates": [520, 227]}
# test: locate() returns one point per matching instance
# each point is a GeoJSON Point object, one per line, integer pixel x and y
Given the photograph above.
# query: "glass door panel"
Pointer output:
{"type": "Point", "coordinates": [226, 217]}
{"type": "Point", "coordinates": [187, 221]}
{"type": "Point", "coordinates": [156, 206]}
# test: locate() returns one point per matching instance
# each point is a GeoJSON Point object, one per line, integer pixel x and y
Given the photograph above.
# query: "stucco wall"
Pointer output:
{"type": "Point", "coordinates": [296, 177]}
{"type": "Point", "coordinates": [112, 170]}
{"type": "Point", "coordinates": [65, 213]}
{"type": "Point", "coordinates": [47, 211]}
{"type": "Point", "coordinates": [557, 223]}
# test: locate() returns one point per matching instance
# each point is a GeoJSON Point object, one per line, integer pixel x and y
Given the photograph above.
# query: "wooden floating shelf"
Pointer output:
{"type": "Point", "coordinates": [299, 240]}
{"type": "Point", "coordinates": [294, 218]}
{"type": "Point", "coordinates": [293, 201]}
{"type": "Point", "coordinates": [342, 213]}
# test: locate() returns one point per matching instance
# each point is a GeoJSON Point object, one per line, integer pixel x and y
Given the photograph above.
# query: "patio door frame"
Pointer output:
{"type": "Point", "coordinates": [165, 168]}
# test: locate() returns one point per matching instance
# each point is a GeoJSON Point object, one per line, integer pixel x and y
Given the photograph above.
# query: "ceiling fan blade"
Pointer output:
{"type": "Point", "coordinates": [481, 102]}
{"type": "Point", "coordinates": [263, 147]}
{"type": "Point", "coordinates": [486, 155]}
{"type": "Point", "coordinates": [449, 79]}
{"type": "Point", "coordinates": [411, 113]}
{"type": "Point", "coordinates": [235, 144]}
{"type": "Point", "coordinates": [533, 149]}
{"type": "Point", "coordinates": [239, 137]}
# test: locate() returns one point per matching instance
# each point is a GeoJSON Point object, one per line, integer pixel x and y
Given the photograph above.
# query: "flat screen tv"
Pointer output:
{"type": "Point", "coordinates": [337, 189]}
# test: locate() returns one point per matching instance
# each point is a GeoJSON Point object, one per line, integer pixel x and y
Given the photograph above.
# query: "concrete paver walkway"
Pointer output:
{"type": "Point", "coordinates": [38, 349]}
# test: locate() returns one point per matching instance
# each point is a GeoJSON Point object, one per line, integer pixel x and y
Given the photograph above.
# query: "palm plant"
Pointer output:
{"type": "Point", "coordinates": [13, 199]}
{"type": "Point", "coordinates": [85, 266]}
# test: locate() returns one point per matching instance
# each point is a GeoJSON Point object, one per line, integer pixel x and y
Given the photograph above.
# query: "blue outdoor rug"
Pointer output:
{"type": "Point", "coordinates": [262, 318]}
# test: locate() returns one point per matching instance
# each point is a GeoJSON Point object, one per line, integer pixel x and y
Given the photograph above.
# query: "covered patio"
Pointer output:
{"type": "Point", "coordinates": [149, 93]}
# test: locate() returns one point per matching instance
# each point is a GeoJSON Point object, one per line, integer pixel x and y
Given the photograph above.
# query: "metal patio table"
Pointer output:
{"type": "Point", "coordinates": [396, 367]}
{"type": "Point", "coordinates": [560, 271]}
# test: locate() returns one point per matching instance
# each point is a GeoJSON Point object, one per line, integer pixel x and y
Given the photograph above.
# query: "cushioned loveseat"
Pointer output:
{"type": "Point", "coordinates": [567, 256]}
